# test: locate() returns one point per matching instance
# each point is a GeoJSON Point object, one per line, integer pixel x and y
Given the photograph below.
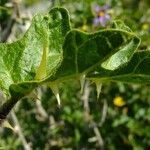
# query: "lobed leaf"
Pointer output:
{"type": "Point", "coordinates": [37, 55]}
{"type": "Point", "coordinates": [109, 49]}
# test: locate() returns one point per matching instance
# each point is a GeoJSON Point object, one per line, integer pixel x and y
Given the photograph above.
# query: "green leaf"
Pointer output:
{"type": "Point", "coordinates": [41, 70]}
{"type": "Point", "coordinates": [118, 24]}
{"type": "Point", "coordinates": [136, 71]}
{"type": "Point", "coordinates": [37, 55]}
{"type": "Point", "coordinates": [51, 52]}
{"type": "Point", "coordinates": [109, 49]}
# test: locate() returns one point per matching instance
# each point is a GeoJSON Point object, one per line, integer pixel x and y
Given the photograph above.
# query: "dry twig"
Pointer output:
{"type": "Point", "coordinates": [19, 131]}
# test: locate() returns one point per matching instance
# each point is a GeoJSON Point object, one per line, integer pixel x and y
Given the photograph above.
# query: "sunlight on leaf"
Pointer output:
{"type": "Point", "coordinates": [41, 71]}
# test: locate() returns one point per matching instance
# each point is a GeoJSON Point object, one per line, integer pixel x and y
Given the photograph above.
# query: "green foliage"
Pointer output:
{"type": "Point", "coordinates": [58, 53]}
{"type": "Point", "coordinates": [68, 127]}
{"type": "Point", "coordinates": [20, 61]}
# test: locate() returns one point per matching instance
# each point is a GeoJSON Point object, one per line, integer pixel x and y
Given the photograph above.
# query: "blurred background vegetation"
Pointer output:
{"type": "Point", "coordinates": [118, 120]}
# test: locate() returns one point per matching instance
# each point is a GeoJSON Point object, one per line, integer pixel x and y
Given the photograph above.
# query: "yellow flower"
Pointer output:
{"type": "Point", "coordinates": [101, 14]}
{"type": "Point", "coordinates": [84, 28]}
{"type": "Point", "coordinates": [145, 26]}
{"type": "Point", "coordinates": [119, 101]}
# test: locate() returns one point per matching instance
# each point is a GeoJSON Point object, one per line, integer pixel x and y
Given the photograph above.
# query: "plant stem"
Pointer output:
{"type": "Point", "coordinates": [7, 107]}
{"type": "Point", "coordinates": [6, 33]}
{"type": "Point", "coordinates": [19, 132]}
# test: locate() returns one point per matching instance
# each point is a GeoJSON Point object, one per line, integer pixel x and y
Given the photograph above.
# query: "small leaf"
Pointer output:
{"type": "Point", "coordinates": [118, 24]}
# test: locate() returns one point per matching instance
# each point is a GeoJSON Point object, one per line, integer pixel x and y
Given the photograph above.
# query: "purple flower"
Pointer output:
{"type": "Point", "coordinates": [98, 8]}
{"type": "Point", "coordinates": [101, 20]}
{"type": "Point", "coordinates": [102, 17]}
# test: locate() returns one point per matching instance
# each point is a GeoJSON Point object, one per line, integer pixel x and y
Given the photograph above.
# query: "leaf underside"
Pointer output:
{"type": "Point", "coordinates": [52, 52]}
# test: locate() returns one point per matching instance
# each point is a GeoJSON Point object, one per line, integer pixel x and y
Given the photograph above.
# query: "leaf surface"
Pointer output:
{"type": "Point", "coordinates": [136, 71]}
{"type": "Point", "coordinates": [51, 52]}
{"type": "Point", "coordinates": [109, 49]}
{"type": "Point", "coordinates": [36, 55]}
